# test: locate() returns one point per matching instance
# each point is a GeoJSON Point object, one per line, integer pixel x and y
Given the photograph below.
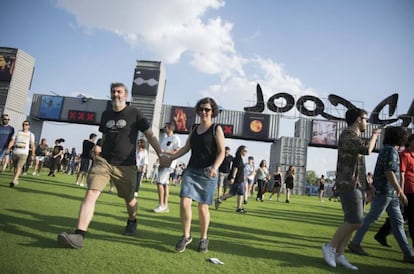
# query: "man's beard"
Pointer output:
{"type": "Point", "coordinates": [118, 103]}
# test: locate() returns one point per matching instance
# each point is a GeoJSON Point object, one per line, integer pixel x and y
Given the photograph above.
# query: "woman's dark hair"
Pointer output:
{"type": "Point", "coordinates": [213, 104]}
{"type": "Point", "coordinates": [239, 151]}
{"type": "Point", "coordinates": [262, 163]}
{"type": "Point", "coordinates": [395, 136]}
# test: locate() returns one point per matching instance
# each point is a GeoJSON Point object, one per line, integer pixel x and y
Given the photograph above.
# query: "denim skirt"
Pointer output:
{"type": "Point", "coordinates": [198, 186]}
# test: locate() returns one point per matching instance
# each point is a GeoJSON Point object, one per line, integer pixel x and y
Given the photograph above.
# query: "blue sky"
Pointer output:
{"type": "Point", "coordinates": [360, 50]}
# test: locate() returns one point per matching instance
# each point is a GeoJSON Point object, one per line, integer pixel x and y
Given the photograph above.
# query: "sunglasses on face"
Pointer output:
{"type": "Point", "coordinates": [206, 110]}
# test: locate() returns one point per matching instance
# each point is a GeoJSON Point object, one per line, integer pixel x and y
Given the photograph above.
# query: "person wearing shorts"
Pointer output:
{"type": "Point", "coordinates": [236, 178]}
{"type": "Point", "coordinates": [22, 143]}
{"type": "Point", "coordinates": [169, 144]}
{"type": "Point", "coordinates": [6, 135]}
{"type": "Point", "coordinates": [116, 163]}
{"type": "Point", "coordinates": [41, 152]}
{"type": "Point", "coordinates": [350, 174]}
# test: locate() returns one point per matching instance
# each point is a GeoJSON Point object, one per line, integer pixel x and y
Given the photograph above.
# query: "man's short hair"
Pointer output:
{"type": "Point", "coordinates": [92, 135]}
{"type": "Point", "coordinates": [170, 125]}
{"type": "Point", "coordinates": [352, 115]}
{"type": "Point", "coordinates": [118, 84]}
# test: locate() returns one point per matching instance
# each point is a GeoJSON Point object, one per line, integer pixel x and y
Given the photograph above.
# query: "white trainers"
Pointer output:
{"type": "Point", "coordinates": [161, 209]}
{"type": "Point", "coordinates": [165, 210]}
{"type": "Point", "coordinates": [158, 208]}
{"type": "Point", "coordinates": [343, 261]}
{"type": "Point", "coordinates": [135, 194]}
{"type": "Point", "coordinates": [329, 254]}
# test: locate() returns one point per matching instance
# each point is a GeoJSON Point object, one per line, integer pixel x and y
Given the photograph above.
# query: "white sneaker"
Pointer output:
{"type": "Point", "coordinates": [343, 261]}
{"type": "Point", "coordinates": [135, 194]}
{"type": "Point", "coordinates": [77, 183]}
{"type": "Point", "coordinates": [81, 184]}
{"type": "Point", "coordinates": [329, 254]}
{"type": "Point", "coordinates": [165, 210]}
{"type": "Point", "coordinates": [34, 173]}
{"type": "Point", "coordinates": [158, 208]}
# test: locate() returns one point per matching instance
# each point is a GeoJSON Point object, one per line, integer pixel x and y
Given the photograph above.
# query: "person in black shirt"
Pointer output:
{"type": "Point", "coordinates": [116, 163]}
{"type": "Point", "coordinates": [236, 178]}
{"type": "Point", "coordinates": [85, 159]}
{"type": "Point", "coordinates": [57, 154]}
{"type": "Point", "coordinates": [224, 170]}
{"type": "Point", "coordinates": [206, 142]}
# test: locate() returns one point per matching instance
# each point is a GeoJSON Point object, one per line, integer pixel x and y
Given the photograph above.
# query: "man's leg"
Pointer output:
{"type": "Point", "coordinates": [87, 209]}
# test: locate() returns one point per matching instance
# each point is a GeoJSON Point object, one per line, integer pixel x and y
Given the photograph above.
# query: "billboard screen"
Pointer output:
{"type": "Point", "coordinates": [256, 126]}
{"type": "Point", "coordinates": [50, 107]}
{"type": "Point", "coordinates": [7, 63]}
{"type": "Point", "coordinates": [145, 82]}
{"type": "Point", "coordinates": [183, 118]}
{"type": "Point", "coordinates": [323, 133]}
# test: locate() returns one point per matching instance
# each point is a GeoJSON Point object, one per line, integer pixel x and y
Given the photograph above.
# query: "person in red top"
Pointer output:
{"type": "Point", "coordinates": [407, 175]}
{"type": "Point", "coordinates": [407, 182]}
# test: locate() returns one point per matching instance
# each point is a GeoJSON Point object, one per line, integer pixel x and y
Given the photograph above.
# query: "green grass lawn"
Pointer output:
{"type": "Point", "coordinates": [273, 237]}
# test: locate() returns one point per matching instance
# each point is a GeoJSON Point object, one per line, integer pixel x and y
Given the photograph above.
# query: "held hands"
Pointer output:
{"type": "Point", "coordinates": [403, 198]}
{"type": "Point", "coordinates": [165, 160]}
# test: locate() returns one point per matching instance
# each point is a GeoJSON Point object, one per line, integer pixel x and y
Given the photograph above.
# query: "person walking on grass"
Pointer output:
{"type": "Point", "coordinates": [350, 174]}
{"type": "Point", "coordinates": [42, 150]}
{"type": "Point", "coordinates": [169, 144]}
{"type": "Point", "coordinates": [237, 179]}
{"type": "Point", "coordinates": [289, 181]}
{"type": "Point", "coordinates": [277, 179]}
{"type": "Point", "coordinates": [22, 142]}
{"type": "Point", "coordinates": [388, 194]}
{"type": "Point", "coordinates": [262, 177]}
{"type": "Point", "coordinates": [199, 181]}
{"type": "Point", "coordinates": [6, 135]}
{"type": "Point", "coordinates": [249, 175]}
{"type": "Point", "coordinates": [57, 155]}
{"type": "Point", "coordinates": [85, 159]}
{"type": "Point", "coordinates": [321, 183]}
{"type": "Point", "coordinates": [116, 163]}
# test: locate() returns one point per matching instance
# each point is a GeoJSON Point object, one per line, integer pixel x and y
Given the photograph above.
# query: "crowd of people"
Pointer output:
{"type": "Point", "coordinates": [213, 175]}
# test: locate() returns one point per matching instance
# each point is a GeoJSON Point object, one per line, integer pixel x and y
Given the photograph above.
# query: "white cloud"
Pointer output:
{"type": "Point", "coordinates": [170, 29]}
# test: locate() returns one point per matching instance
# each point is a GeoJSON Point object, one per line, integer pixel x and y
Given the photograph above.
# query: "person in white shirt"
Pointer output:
{"type": "Point", "coordinates": [142, 163]}
{"type": "Point", "coordinates": [170, 144]}
{"type": "Point", "coordinates": [22, 142]}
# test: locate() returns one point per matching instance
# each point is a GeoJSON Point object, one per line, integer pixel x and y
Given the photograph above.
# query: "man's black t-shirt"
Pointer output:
{"type": "Point", "coordinates": [120, 130]}
{"type": "Point", "coordinates": [87, 147]}
{"type": "Point", "coordinates": [226, 164]}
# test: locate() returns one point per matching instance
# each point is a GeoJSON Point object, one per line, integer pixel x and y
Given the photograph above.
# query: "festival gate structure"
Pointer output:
{"type": "Point", "coordinates": [314, 126]}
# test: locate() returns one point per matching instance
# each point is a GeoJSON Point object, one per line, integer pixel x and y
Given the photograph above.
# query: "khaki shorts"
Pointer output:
{"type": "Point", "coordinates": [19, 160]}
{"type": "Point", "coordinates": [123, 177]}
